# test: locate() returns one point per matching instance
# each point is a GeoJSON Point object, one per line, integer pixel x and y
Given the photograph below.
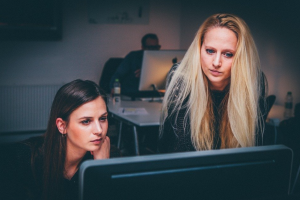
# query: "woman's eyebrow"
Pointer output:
{"type": "Point", "coordinates": [229, 50]}
{"type": "Point", "coordinates": [89, 117]}
{"type": "Point", "coordinates": [104, 113]}
{"type": "Point", "coordinates": [85, 117]}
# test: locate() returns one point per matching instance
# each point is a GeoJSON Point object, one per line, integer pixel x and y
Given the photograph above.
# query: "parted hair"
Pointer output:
{"type": "Point", "coordinates": [240, 107]}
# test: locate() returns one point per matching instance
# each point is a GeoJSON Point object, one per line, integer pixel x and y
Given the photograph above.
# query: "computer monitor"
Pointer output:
{"type": "Point", "coordinates": [241, 173]}
{"type": "Point", "coordinates": [155, 67]}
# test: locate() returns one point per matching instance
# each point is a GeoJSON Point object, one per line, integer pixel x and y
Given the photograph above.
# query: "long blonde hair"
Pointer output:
{"type": "Point", "coordinates": [240, 107]}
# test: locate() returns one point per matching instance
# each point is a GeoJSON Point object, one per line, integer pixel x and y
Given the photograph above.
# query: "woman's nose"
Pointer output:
{"type": "Point", "coordinates": [217, 61]}
{"type": "Point", "coordinates": [97, 130]}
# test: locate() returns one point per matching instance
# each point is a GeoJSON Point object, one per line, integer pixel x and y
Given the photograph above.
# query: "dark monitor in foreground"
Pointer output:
{"type": "Point", "coordinates": [241, 173]}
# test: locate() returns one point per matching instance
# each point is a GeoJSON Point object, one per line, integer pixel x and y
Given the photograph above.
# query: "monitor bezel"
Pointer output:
{"type": "Point", "coordinates": [130, 166]}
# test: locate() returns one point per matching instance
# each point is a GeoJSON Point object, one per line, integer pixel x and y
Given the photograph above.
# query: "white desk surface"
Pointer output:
{"type": "Point", "coordinates": [151, 119]}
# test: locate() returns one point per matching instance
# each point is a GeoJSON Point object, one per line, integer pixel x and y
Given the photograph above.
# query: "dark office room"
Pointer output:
{"type": "Point", "coordinates": [47, 44]}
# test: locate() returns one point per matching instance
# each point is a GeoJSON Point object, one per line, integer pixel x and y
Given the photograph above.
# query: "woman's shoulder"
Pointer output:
{"type": "Point", "coordinates": [32, 143]}
{"type": "Point", "coordinates": [263, 85]}
{"type": "Point", "coordinates": [24, 150]}
{"type": "Point", "coordinates": [171, 72]}
{"type": "Point", "coordinates": [174, 67]}
{"type": "Point", "coordinates": [17, 170]}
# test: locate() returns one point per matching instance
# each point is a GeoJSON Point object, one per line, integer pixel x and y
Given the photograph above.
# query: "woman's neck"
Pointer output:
{"type": "Point", "coordinates": [73, 158]}
{"type": "Point", "coordinates": [220, 86]}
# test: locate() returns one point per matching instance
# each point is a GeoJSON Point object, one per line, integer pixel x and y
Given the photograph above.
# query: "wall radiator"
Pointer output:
{"type": "Point", "coordinates": [26, 107]}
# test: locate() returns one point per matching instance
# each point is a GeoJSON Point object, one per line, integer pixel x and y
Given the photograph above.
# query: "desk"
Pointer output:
{"type": "Point", "coordinates": [151, 119]}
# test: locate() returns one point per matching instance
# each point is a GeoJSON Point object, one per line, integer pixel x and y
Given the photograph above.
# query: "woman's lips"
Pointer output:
{"type": "Point", "coordinates": [215, 72]}
{"type": "Point", "coordinates": [97, 141]}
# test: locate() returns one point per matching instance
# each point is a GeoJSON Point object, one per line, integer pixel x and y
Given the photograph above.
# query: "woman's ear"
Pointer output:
{"type": "Point", "coordinates": [61, 125]}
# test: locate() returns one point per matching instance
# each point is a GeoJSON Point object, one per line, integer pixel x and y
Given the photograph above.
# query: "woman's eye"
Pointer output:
{"type": "Point", "coordinates": [103, 119]}
{"type": "Point", "coordinates": [228, 55]}
{"type": "Point", "coordinates": [210, 51]}
{"type": "Point", "coordinates": [86, 122]}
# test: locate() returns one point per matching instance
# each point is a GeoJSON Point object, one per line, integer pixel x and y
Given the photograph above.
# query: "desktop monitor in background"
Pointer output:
{"type": "Point", "coordinates": [235, 174]}
{"type": "Point", "coordinates": [155, 67]}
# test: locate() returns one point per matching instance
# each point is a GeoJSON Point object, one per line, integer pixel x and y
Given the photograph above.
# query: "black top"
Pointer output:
{"type": "Point", "coordinates": [176, 132]}
{"type": "Point", "coordinates": [19, 179]}
{"type": "Point", "coordinates": [23, 181]}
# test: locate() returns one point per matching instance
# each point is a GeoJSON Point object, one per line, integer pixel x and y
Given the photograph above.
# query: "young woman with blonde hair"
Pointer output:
{"type": "Point", "coordinates": [215, 96]}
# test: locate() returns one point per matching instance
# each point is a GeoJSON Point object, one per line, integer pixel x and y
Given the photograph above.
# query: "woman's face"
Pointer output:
{"type": "Point", "coordinates": [87, 126]}
{"type": "Point", "coordinates": [216, 56]}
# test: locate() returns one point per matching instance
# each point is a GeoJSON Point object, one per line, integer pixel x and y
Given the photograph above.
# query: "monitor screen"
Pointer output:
{"type": "Point", "coordinates": [241, 173]}
{"type": "Point", "coordinates": [155, 67]}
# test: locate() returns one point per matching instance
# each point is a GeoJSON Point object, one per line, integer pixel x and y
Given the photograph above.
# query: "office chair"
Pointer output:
{"type": "Point", "coordinates": [270, 100]}
{"type": "Point", "coordinates": [108, 71]}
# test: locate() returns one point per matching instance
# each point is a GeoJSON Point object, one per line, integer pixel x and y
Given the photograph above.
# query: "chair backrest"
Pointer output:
{"type": "Point", "coordinates": [108, 71]}
{"type": "Point", "coordinates": [270, 102]}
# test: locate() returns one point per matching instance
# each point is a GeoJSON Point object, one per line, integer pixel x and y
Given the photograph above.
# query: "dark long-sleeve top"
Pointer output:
{"type": "Point", "coordinates": [176, 135]}
{"type": "Point", "coordinates": [20, 178]}
{"type": "Point", "coordinates": [23, 181]}
{"type": "Point", "coordinates": [125, 72]}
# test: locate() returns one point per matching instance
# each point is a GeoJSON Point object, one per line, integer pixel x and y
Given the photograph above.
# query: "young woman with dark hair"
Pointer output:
{"type": "Point", "coordinates": [47, 167]}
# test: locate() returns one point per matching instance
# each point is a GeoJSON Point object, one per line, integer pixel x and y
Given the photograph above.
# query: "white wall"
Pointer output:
{"type": "Point", "coordinates": [275, 26]}
{"type": "Point", "coordinates": [85, 47]}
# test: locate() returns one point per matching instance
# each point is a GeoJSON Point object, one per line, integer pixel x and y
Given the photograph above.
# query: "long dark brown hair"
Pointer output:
{"type": "Point", "coordinates": [68, 98]}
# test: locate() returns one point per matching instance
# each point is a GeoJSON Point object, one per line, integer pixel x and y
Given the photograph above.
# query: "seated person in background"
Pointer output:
{"type": "Point", "coordinates": [215, 97]}
{"type": "Point", "coordinates": [46, 167]}
{"type": "Point", "coordinates": [129, 70]}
